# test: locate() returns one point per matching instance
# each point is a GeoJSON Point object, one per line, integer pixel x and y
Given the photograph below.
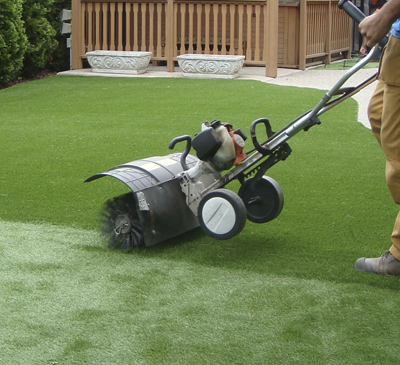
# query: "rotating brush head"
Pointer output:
{"type": "Point", "coordinates": [120, 224]}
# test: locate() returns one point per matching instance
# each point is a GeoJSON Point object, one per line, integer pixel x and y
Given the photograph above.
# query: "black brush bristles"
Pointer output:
{"type": "Point", "coordinates": [119, 223]}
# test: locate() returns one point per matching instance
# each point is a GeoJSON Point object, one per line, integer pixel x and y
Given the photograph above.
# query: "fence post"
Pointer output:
{"type": "Point", "coordinates": [303, 35]}
{"type": "Point", "coordinates": [271, 38]}
{"type": "Point", "coordinates": [169, 35]}
{"type": "Point", "coordinates": [329, 33]}
{"type": "Point", "coordinates": [76, 34]}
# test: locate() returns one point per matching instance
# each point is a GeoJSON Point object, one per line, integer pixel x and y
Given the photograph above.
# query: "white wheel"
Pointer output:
{"type": "Point", "coordinates": [222, 214]}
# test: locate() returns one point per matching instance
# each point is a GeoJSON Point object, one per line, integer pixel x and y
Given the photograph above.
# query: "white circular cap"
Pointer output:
{"type": "Point", "coordinates": [218, 215]}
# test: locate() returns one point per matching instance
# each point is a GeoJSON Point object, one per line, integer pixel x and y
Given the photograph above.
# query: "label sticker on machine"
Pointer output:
{"type": "Point", "coordinates": [149, 166]}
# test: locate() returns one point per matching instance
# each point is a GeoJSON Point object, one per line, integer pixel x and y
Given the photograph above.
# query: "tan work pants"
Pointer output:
{"type": "Point", "coordinates": [384, 116]}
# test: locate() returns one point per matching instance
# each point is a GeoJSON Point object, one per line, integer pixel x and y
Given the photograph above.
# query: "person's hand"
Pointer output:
{"type": "Point", "coordinates": [362, 52]}
{"type": "Point", "coordinates": [374, 28]}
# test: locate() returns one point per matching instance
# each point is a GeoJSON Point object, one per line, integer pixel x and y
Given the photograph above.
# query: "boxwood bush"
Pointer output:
{"type": "Point", "coordinates": [30, 40]}
{"type": "Point", "coordinates": [59, 58]}
{"type": "Point", "coordinates": [40, 34]}
{"type": "Point", "coordinates": [13, 40]}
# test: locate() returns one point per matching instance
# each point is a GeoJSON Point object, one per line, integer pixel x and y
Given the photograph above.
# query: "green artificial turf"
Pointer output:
{"type": "Point", "coordinates": [345, 64]}
{"type": "Point", "coordinates": [284, 292]}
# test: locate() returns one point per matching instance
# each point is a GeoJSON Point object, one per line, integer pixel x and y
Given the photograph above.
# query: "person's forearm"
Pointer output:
{"type": "Point", "coordinates": [390, 11]}
{"type": "Point", "coordinates": [377, 25]}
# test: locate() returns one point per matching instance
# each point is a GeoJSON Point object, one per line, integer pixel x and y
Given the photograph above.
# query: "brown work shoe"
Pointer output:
{"type": "Point", "coordinates": [387, 264]}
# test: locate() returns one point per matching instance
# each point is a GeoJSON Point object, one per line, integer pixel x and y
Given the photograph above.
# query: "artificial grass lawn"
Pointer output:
{"type": "Point", "coordinates": [345, 64]}
{"type": "Point", "coordinates": [281, 292]}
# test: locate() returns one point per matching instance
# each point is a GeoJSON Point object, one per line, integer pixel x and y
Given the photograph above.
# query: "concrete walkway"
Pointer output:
{"type": "Point", "coordinates": [310, 78]}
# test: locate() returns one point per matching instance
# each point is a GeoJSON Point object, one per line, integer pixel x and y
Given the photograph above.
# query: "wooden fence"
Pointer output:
{"type": "Point", "coordinates": [269, 33]}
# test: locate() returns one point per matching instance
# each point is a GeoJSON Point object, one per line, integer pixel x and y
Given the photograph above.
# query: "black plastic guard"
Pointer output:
{"type": "Point", "coordinates": [163, 212]}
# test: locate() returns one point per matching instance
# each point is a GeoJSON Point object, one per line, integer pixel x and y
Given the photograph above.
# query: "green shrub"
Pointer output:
{"type": "Point", "coordinates": [12, 39]}
{"type": "Point", "coordinates": [59, 59]}
{"type": "Point", "coordinates": [30, 40]}
{"type": "Point", "coordinates": [40, 34]}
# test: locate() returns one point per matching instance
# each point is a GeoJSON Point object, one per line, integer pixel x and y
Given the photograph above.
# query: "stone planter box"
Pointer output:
{"type": "Point", "coordinates": [120, 62]}
{"type": "Point", "coordinates": [210, 66]}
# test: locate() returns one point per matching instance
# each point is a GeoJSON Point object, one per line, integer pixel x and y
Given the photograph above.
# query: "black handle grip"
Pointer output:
{"type": "Point", "coordinates": [357, 15]}
{"type": "Point", "coordinates": [188, 140]}
{"type": "Point", "coordinates": [263, 150]}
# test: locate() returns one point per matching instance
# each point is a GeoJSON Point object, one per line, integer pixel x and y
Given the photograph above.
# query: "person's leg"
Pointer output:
{"type": "Point", "coordinates": [387, 130]}
{"type": "Point", "coordinates": [395, 249]}
{"type": "Point", "coordinates": [390, 141]}
{"type": "Point", "coordinates": [375, 109]}
{"type": "Point", "coordinates": [384, 114]}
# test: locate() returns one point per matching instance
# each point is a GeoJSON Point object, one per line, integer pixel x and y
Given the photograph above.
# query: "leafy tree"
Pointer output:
{"type": "Point", "coordinates": [59, 59]}
{"type": "Point", "coordinates": [40, 34]}
{"type": "Point", "coordinates": [13, 39]}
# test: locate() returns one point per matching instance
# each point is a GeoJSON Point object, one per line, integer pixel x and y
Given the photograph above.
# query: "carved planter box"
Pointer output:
{"type": "Point", "coordinates": [207, 65]}
{"type": "Point", "coordinates": [121, 62]}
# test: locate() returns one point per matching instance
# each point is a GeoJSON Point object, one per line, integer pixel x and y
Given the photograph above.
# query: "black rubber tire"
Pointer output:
{"type": "Point", "coordinates": [263, 199]}
{"type": "Point", "coordinates": [222, 214]}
